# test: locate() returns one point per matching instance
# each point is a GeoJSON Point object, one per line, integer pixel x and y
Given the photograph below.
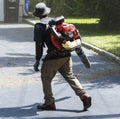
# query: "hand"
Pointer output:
{"type": "Point", "coordinates": [36, 65]}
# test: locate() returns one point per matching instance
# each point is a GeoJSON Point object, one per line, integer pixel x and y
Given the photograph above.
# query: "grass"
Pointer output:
{"type": "Point", "coordinates": [82, 20]}
{"type": "Point", "coordinates": [110, 43]}
{"type": "Point", "coordinates": [92, 34]}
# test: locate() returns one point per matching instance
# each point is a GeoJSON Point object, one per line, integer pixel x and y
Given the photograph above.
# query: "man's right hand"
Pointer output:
{"type": "Point", "coordinates": [36, 65]}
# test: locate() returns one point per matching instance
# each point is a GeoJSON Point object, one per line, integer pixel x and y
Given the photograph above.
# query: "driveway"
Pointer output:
{"type": "Point", "coordinates": [21, 89]}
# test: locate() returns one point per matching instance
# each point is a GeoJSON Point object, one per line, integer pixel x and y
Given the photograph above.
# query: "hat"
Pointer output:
{"type": "Point", "coordinates": [41, 10]}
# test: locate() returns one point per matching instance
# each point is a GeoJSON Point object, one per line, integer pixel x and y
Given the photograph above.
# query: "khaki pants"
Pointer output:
{"type": "Point", "coordinates": [48, 71]}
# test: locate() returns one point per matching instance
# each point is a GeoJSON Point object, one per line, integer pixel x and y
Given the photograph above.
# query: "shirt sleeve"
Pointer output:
{"type": "Point", "coordinates": [39, 44]}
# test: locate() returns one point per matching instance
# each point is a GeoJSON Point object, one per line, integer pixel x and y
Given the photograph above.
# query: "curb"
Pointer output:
{"type": "Point", "coordinates": [104, 53]}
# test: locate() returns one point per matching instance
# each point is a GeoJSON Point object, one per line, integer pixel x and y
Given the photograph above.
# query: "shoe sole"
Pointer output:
{"type": "Point", "coordinates": [88, 103]}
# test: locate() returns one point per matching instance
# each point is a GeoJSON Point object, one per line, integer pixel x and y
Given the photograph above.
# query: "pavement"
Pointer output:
{"type": "Point", "coordinates": [21, 88]}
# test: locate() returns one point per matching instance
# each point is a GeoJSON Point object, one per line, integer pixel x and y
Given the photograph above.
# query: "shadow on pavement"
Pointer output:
{"type": "Point", "coordinates": [17, 59]}
{"type": "Point", "coordinates": [108, 82]}
{"type": "Point", "coordinates": [30, 111]}
{"type": "Point", "coordinates": [25, 111]}
{"type": "Point", "coordinates": [100, 67]}
{"type": "Point", "coordinates": [17, 34]}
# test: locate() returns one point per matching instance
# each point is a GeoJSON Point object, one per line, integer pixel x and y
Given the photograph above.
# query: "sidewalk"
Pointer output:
{"type": "Point", "coordinates": [21, 88]}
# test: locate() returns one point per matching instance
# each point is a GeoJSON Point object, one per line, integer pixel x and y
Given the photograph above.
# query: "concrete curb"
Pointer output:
{"type": "Point", "coordinates": [108, 55]}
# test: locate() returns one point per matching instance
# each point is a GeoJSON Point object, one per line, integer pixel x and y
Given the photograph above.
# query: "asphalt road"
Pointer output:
{"type": "Point", "coordinates": [21, 89]}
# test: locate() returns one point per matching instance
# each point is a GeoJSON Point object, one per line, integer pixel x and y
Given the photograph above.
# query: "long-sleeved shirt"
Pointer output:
{"type": "Point", "coordinates": [42, 39]}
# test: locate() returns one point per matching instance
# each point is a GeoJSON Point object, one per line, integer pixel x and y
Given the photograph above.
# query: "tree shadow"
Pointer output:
{"type": "Point", "coordinates": [30, 110]}
{"type": "Point", "coordinates": [102, 74]}
{"type": "Point", "coordinates": [70, 110]}
{"type": "Point", "coordinates": [19, 112]}
{"type": "Point", "coordinates": [17, 34]}
{"type": "Point", "coordinates": [107, 82]}
{"type": "Point", "coordinates": [17, 60]}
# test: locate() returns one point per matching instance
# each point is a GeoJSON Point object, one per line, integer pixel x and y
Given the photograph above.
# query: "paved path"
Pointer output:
{"type": "Point", "coordinates": [21, 89]}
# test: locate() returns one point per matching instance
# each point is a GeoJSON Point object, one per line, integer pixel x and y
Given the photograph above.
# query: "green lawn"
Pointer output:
{"type": "Point", "coordinates": [109, 43]}
{"type": "Point", "coordinates": [83, 20]}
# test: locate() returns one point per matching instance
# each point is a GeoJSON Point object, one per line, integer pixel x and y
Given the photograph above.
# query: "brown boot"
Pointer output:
{"type": "Point", "coordinates": [47, 107]}
{"type": "Point", "coordinates": [86, 99]}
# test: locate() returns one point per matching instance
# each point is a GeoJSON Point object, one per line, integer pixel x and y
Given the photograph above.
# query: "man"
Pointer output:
{"type": "Point", "coordinates": [54, 61]}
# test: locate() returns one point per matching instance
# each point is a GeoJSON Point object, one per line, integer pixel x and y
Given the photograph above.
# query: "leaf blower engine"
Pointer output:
{"type": "Point", "coordinates": [65, 36]}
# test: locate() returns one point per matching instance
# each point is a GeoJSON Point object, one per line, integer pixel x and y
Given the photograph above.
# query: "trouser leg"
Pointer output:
{"type": "Point", "coordinates": [66, 71]}
{"type": "Point", "coordinates": [47, 74]}
{"type": "Point", "coordinates": [48, 71]}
